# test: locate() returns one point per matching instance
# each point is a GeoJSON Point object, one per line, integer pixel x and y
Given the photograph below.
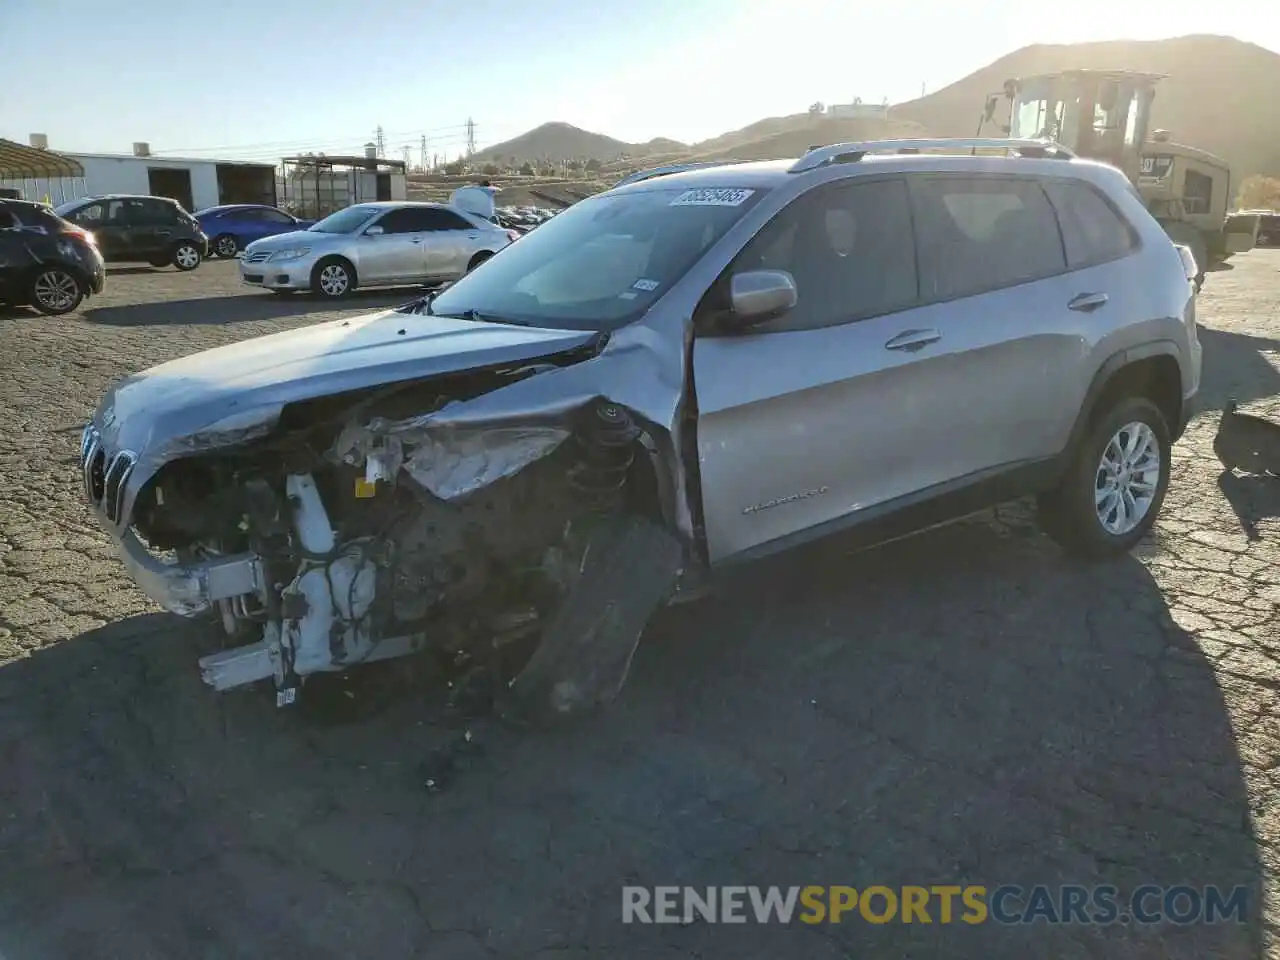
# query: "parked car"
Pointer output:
{"type": "Point", "coordinates": [234, 226]}
{"type": "Point", "coordinates": [154, 230]}
{"type": "Point", "coordinates": [374, 245]}
{"type": "Point", "coordinates": [45, 261]}
{"type": "Point", "coordinates": [1269, 229]}
{"type": "Point", "coordinates": [666, 379]}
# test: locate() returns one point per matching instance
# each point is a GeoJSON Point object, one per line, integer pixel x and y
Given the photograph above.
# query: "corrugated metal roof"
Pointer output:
{"type": "Point", "coordinates": [18, 162]}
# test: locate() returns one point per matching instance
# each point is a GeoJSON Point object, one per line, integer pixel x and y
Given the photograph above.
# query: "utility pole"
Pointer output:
{"type": "Point", "coordinates": [380, 141]}
{"type": "Point", "coordinates": [471, 136]}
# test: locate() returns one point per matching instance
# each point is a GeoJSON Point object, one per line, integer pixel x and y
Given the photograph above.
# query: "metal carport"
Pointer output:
{"type": "Point", "coordinates": [34, 174]}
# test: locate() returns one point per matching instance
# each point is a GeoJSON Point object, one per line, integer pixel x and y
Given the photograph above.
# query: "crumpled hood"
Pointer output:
{"type": "Point", "coordinates": [205, 400]}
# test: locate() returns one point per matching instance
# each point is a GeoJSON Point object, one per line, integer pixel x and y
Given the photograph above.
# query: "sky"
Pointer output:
{"type": "Point", "coordinates": [258, 79]}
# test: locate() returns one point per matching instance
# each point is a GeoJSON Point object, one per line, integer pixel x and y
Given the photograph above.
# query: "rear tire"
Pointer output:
{"type": "Point", "coordinates": [478, 259]}
{"type": "Point", "coordinates": [186, 256]}
{"type": "Point", "coordinates": [1110, 494]}
{"type": "Point", "coordinates": [333, 278]}
{"type": "Point", "coordinates": [225, 246]}
{"type": "Point", "coordinates": [55, 291]}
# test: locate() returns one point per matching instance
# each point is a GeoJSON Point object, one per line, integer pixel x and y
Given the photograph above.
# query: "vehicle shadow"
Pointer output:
{"type": "Point", "coordinates": [1235, 366]}
{"type": "Point", "coordinates": [240, 308]}
{"type": "Point", "coordinates": [128, 270]}
{"type": "Point", "coordinates": [964, 707]}
{"type": "Point", "coordinates": [1253, 497]}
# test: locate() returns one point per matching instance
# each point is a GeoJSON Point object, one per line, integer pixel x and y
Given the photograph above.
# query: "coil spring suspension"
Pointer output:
{"type": "Point", "coordinates": [606, 452]}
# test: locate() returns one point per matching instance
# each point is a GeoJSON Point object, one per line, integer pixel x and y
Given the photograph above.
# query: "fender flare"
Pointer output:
{"type": "Point", "coordinates": [1106, 373]}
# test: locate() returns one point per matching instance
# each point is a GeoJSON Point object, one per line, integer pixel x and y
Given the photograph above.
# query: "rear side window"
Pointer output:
{"type": "Point", "coordinates": [1092, 231]}
{"type": "Point", "coordinates": [446, 220]}
{"type": "Point", "coordinates": [848, 248]}
{"type": "Point", "coordinates": [977, 234]}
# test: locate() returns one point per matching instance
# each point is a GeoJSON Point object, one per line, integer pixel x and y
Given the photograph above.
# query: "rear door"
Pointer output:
{"type": "Point", "coordinates": [452, 242]}
{"type": "Point", "coordinates": [105, 219]}
{"type": "Point", "coordinates": [272, 222]}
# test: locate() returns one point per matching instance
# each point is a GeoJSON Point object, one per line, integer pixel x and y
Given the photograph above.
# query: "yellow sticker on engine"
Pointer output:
{"type": "Point", "coordinates": [365, 488]}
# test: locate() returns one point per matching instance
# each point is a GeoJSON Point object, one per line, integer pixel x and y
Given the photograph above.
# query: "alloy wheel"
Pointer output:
{"type": "Point", "coordinates": [334, 280]}
{"type": "Point", "coordinates": [1127, 478]}
{"type": "Point", "coordinates": [56, 291]}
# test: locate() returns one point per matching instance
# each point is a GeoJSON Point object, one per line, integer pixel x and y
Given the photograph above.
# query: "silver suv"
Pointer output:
{"type": "Point", "coordinates": [698, 368]}
{"type": "Point", "coordinates": [374, 245]}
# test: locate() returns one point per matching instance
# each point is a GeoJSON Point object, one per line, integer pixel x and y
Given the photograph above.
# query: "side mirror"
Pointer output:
{"type": "Point", "coordinates": [374, 231]}
{"type": "Point", "coordinates": [757, 296]}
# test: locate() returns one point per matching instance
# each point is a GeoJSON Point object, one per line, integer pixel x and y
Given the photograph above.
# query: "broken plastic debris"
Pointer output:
{"type": "Point", "coordinates": [456, 462]}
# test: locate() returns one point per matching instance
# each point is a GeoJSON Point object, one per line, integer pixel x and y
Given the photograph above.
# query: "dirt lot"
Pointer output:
{"type": "Point", "coordinates": [966, 707]}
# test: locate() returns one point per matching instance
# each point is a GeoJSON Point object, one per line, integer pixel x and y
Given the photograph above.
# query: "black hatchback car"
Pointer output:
{"type": "Point", "coordinates": [44, 260]}
{"type": "Point", "coordinates": [154, 230]}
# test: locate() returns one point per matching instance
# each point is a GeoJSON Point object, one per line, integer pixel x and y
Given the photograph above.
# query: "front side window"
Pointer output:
{"type": "Point", "coordinates": [603, 262]}
{"type": "Point", "coordinates": [94, 215]}
{"type": "Point", "coordinates": [1092, 231]}
{"type": "Point", "coordinates": [406, 220]}
{"type": "Point", "coordinates": [977, 234]}
{"type": "Point", "coordinates": [849, 249]}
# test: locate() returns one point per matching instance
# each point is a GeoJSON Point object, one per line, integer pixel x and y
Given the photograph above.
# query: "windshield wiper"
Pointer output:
{"type": "Point", "coordinates": [478, 317]}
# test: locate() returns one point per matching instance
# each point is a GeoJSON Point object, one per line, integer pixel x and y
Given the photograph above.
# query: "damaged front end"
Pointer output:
{"type": "Point", "coordinates": [515, 516]}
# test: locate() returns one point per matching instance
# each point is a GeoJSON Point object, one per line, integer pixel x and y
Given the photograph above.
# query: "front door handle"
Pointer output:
{"type": "Point", "coordinates": [913, 340]}
{"type": "Point", "coordinates": [1087, 302]}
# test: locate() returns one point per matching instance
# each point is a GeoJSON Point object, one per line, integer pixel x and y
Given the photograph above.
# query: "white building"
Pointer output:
{"type": "Point", "coordinates": [859, 110]}
{"type": "Point", "coordinates": [194, 183]}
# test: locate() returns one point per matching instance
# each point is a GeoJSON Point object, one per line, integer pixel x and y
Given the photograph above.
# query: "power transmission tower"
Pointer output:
{"type": "Point", "coordinates": [422, 153]}
{"type": "Point", "coordinates": [407, 150]}
{"type": "Point", "coordinates": [471, 136]}
{"type": "Point", "coordinates": [380, 141]}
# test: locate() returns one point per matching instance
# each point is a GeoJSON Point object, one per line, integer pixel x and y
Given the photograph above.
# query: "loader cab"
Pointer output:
{"type": "Point", "coordinates": [1099, 114]}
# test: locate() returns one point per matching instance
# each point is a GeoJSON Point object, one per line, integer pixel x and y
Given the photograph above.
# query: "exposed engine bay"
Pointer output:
{"type": "Point", "coordinates": [377, 537]}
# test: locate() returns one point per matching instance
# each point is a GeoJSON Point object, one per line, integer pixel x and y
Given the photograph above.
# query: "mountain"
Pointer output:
{"type": "Point", "coordinates": [564, 141]}
{"type": "Point", "coordinates": [1216, 95]}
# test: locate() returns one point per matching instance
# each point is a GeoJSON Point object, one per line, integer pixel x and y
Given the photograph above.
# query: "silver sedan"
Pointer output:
{"type": "Point", "coordinates": [374, 245]}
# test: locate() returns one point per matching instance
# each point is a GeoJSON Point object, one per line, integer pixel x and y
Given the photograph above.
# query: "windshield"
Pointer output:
{"type": "Point", "coordinates": [345, 221]}
{"type": "Point", "coordinates": [601, 263]}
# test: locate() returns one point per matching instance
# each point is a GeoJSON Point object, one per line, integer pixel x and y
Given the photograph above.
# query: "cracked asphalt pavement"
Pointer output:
{"type": "Point", "coordinates": [964, 707]}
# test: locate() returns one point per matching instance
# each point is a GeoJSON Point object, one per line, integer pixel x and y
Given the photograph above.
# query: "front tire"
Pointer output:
{"type": "Point", "coordinates": [333, 278]}
{"type": "Point", "coordinates": [186, 256]}
{"type": "Point", "coordinates": [225, 246]}
{"type": "Point", "coordinates": [1113, 488]}
{"type": "Point", "coordinates": [55, 291]}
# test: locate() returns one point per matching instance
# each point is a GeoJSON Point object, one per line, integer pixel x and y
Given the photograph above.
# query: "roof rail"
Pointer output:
{"type": "Point", "coordinates": [853, 152]}
{"type": "Point", "coordinates": [671, 168]}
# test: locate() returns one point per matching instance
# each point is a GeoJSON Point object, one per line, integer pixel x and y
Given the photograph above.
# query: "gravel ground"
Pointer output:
{"type": "Point", "coordinates": [965, 707]}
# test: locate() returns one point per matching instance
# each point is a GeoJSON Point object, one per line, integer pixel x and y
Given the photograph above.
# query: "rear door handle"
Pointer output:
{"type": "Point", "coordinates": [1087, 302]}
{"type": "Point", "coordinates": [912, 340]}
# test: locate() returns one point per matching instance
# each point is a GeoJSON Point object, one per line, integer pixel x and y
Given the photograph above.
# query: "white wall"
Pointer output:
{"type": "Point", "coordinates": [129, 175]}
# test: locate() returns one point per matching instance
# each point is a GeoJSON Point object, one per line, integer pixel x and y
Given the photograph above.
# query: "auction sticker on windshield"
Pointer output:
{"type": "Point", "coordinates": [712, 197]}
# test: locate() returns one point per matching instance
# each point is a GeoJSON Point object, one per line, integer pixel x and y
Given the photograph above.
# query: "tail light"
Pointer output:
{"type": "Point", "coordinates": [513, 235]}
{"type": "Point", "coordinates": [1189, 265]}
{"type": "Point", "coordinates": [80, 234]}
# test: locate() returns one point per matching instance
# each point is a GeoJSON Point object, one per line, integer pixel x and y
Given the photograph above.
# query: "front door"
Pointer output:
{"type": "Point", "coordinates": [398, 253]}
{"type": "Point", "coordinates": [894, 376]}
{"type": "Point", "coordinates": [106, 221]}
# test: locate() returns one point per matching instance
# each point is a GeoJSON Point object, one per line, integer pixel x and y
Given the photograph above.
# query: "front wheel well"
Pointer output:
{"type": "Point", "coordinates": [1158, 378]}
{"type": "Point", "coordinates": [336, 258]}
